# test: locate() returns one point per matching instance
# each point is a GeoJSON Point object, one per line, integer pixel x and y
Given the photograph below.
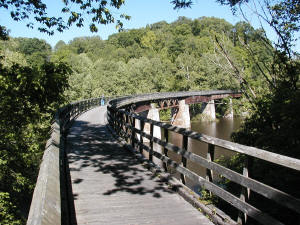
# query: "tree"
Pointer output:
{"type": "Point", "coordinates": [29, 97]}
{"type": "Point", "coordinates": [59, 45]}
{"type": "Point", "coordinates": [99, 12]}
{"type": "Point", "coordinates": [148, 40]}
{"type": "Point", "coordinates": [273, 120]}
{"type": "Point", "coordinates": [74, 12]}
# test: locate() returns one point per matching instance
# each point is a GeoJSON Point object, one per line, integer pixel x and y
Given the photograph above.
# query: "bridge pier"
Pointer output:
{"type": "Point", "coordinates": [181, 115]}
{"type": "Point", "coordinates": [209, 111]}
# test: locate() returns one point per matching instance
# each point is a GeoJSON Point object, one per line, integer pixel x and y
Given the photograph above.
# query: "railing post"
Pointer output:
{"type": "Point", "coordinates": [124, 120]}
{"type": "Point", "coordinates": [132, 132]}
{"type": "Point", "coordinates": [123, 127]}
{"type": "Point", "coordinates": [183, 159]}
{"type": "Point", "coordinates": [119, 116]}
{"type": "Point", "coordinates": [117, 122]}
{"type": "Point", "coordinates": [116, 114]}
{"type": "Point", "coordinates": [114, 121]}
{"type": "Point", "coordinates": [245, 192]}
{"type": "Point", "coordinates": [141, 137]}
{"type": "Point", "coordinates": [126, 129]}
{"type": "Point", "coordinates": [166, 134]}
{"type": "Point", "coordinates": [151, 143]}
{"type": "Point", "coordinates": [210, 157]}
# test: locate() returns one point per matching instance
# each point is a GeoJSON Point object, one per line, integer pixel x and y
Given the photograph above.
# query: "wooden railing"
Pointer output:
{"type": "Point", "coordinates": [124, 124]}
{"type": "Point", "coordinates": [50, 198]}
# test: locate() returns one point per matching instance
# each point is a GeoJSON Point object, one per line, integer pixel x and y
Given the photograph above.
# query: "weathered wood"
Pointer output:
{"type": "Point", "coordinates": [216, 216]}
{"type": "Point", "coordinates": [141, 137]}
{"type": "Point", "coordinates": [166, 135]}
{"type": "Point", "coordinates": [183, 159]}
{"type": "Point", "coordinates": [133, 132]}
{"type": "Point", "coordinates": [248, 184]}
{"type": "Point", "coordinates": [228, 197]}
{"type": "Point", "coordinates": [126, 121]}
{"type": "Point", "coordinates": [251, 151]}
{"type": "Point", "coordinates": [110, 186]}
{"type": "Point", "coordinates": [48, 205]}
{"type": "Point", "coordinates": [210, 157]}
{"type": "Point", "coordinates": [263, 189]}
{"type": "Point", "coordinates": [245, 193]}
{"type": "Point", "coordinates": [151, 144]}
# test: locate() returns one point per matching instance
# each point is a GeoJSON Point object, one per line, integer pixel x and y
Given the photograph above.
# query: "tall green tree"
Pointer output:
{"type": "Point", "coordinates": [30, 93]}
{"type": "Point", "coordinates": [73, 13]}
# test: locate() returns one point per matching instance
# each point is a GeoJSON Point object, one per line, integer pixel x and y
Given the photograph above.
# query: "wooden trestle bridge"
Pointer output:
{"type": "Point", "coordinates": [100, 166]}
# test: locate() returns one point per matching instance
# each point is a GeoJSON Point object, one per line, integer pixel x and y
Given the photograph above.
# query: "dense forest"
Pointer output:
{"type": "Point", "coordinates": [201, 54]}
{"type": "Point", "coordinates": [180, 56]}
{"type": "Point", "coordinates": [31, 89]}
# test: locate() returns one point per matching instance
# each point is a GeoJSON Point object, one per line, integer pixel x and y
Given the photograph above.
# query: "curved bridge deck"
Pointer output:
{"type": "Point", "coordinates": [109, 184]}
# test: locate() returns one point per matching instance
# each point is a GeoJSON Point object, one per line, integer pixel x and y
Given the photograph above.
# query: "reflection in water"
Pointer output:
{"type": "Point", "coordinates": [221, 129]}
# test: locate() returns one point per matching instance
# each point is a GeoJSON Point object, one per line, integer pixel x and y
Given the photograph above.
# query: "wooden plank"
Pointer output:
{"type": "Point", "coordinates": [166, 135]}
{"type": "Point", "coordinates": [110, 186]}
{"type": "Point", "coordinates": [151, 144]}
{"type": "Point", "coordinates": [133, 132]}
{"type": "Point", "coordinates": [227, 196]}
{"type": "Point", "coordinates": [269, 192]}
{"type": "Point", "coordinates": [48, 204]}
{"type": "Point", "coordinates": [251, 151]}
{"type": "Point", "coordinates": [183, 159]}
{"type": "Point", "coordinates": [210, 158]}
{"type": "Point", "coordinates": [245, 193]}
{"type": "Point", "coordinates": [142, 123]}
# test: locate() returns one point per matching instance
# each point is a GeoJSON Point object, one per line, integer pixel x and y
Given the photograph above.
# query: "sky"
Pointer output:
{"type": "Point", "coordinates": [142, 12]}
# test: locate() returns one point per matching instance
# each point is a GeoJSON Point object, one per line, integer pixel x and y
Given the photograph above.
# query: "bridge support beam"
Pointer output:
{"type": "Point", "coordinates": [181, 116]}
{"type": "Point", "coordinates": [209, 111]}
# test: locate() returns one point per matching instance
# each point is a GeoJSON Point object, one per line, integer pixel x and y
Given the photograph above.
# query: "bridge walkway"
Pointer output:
{"type": "Point", "coordinates": [110, 186]}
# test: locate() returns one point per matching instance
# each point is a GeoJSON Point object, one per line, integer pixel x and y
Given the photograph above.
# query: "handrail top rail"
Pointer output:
{"type": "Point", "coordinates": [127, 100]}
{"type": "Point", "coordinates": [282, 160]}
{"type": "Point", "coordinates": [47, 206]}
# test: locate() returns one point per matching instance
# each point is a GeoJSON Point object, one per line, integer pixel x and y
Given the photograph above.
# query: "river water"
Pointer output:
{"type": "Point", "coordinates": [222, 129]}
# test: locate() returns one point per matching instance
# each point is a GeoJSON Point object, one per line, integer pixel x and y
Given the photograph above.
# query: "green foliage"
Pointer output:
{"type": "Point", "coordinates": [75, 13]}
{"type": "Point", "coordinates": [30, 93]}
{"type": "Point", "coordinates": [274, 121]}
{"type": "Point", "coordinates": [7, 210]}
{"type": "Point", "coordinates": [165, 115]}
{"type": "Point", "coordinates": [222, 107]}
{"type": "Point", "coordinates": [160, 57]}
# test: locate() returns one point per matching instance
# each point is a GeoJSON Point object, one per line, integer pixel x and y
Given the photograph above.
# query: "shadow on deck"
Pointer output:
{"type": "Point", "coordinates": [110, 186]}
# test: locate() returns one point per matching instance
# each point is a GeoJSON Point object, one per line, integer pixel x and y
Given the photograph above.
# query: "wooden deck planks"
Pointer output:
{"type": "Point", "coordinates": [111, 187]}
